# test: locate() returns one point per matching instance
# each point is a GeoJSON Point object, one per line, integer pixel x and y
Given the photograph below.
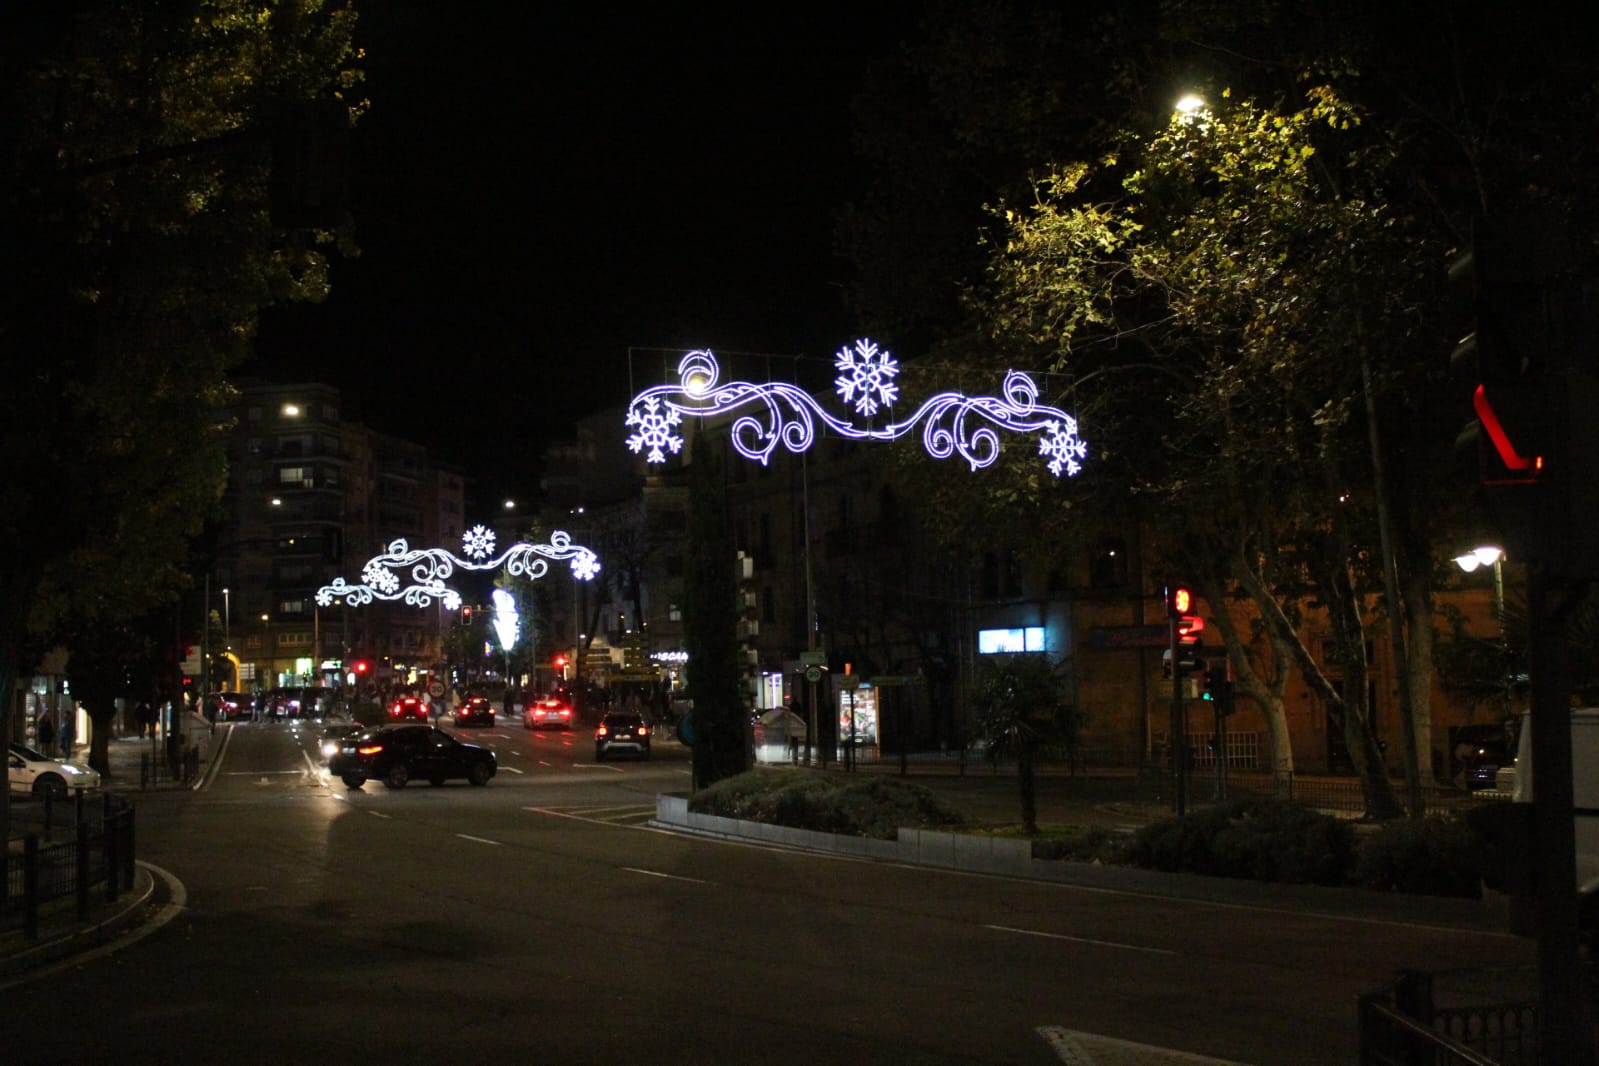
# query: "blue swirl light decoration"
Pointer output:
{"type": "Point", "coordinates": [384, 577]}
{"type": "Point", "coordinates": [777, 413]}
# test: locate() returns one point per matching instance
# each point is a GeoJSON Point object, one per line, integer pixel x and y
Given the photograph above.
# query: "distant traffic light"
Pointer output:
{"type": "Point", "coordinates": [466, 615]}
{"type": "Point", "coordinates": [362, 667]}
{"type": "Point", "coordinates": [1179, 601]}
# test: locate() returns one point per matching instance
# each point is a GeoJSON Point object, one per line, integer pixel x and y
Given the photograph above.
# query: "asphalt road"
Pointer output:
{"type": "Point", "coordinates": [539, 917]}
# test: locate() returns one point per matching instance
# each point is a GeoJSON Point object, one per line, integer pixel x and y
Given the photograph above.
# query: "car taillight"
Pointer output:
{"type": "Point", "coordinates": [370, 749]}
{"type": "Point", "coordinates": [602, 731]}
{"type": "Point", "coordinates": [643, 730]}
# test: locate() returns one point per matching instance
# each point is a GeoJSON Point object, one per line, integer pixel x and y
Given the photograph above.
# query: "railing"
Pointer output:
{"type": "Point", "coordinates": [75, 847]}
{"type": "Point", "coordinates": [1403, 1024]}
{"type": "Point", "coordinates": [182, 767]}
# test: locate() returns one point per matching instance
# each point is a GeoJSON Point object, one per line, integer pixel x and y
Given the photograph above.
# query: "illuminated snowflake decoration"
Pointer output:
{"type": "Point", "coordinates": [478, 542]}
{"type": "Point", "coordinates": [868, 377]}
{"type": "Point", "coordinates": [585, 568]}
{"type": "Point", "coordinates": [1065, 451]}
{"type": "Point", "coordinates": [772, 414]}
{"type": "Point", "coordinates": [384, 577]}
{"type": "Point", "coordinates": [380, 579]}
{"type": "Point", "coordinates": [655, 429]}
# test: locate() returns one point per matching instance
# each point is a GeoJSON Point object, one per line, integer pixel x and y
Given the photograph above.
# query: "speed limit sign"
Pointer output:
{"type": "Point", "coordinates": [435, 688]}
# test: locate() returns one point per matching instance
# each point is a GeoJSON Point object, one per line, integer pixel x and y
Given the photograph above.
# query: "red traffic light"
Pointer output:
{"type": "Point", "coordinates": [560, 662]}
{"type": "Point", "coordinates": [362, 666]}
{"type": "Point", "coordinates": [1179, 600]}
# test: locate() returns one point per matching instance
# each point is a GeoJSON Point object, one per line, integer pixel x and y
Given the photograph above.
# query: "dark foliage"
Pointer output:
{"type": "Point", "coordinates": [826, 803]}
{"type": "Point", "coordinates": [1432, 857]}
{"type": "Point", "coordinates": [1263, 840]}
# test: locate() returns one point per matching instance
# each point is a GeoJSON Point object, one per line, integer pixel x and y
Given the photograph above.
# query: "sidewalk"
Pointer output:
{"type": "Point", "coordinates": [63, 932]}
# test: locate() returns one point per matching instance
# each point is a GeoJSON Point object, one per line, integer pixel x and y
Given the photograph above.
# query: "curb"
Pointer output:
{"type": "Point", "coordinates": [62, 934]}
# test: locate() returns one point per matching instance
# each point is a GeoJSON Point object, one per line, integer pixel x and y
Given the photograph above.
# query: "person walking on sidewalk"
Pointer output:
{"type": "Point", "coordinates": [66, 736]}
{"type": "Point", "coordinates": [47, 732]}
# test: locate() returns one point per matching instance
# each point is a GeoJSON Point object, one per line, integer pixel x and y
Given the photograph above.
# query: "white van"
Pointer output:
{"type": "Point", "coordinates": [1585, 795]}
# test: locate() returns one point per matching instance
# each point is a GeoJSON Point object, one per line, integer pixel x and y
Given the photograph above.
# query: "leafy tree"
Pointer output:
{"type": "Point", "coordinates": [142, 143]}
{"type": "Point", "coordinates": [1023, 710]}
{"type": "Point", "coordinates": [710, 628]}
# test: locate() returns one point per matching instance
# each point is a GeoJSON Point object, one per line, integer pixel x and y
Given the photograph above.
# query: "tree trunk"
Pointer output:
{"type": "Point", "coordinates": [1027, 785]}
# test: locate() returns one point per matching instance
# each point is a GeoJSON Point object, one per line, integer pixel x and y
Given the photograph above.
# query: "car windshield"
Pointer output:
{"type": "Point", "coordinates": [28, 753]}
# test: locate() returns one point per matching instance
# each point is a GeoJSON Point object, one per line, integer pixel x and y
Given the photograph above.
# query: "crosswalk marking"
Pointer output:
{"type": "Point", "coordinates": [1077, 1048]}
{"type": "Point", "coordinates": [630, 814]}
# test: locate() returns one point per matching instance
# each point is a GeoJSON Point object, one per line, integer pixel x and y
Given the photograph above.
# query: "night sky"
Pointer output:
{"type": "Point", "coordinates": [538, 191]}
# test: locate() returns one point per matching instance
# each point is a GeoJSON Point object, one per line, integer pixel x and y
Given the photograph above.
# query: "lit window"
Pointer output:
{"type": "Point", "coordinates": [1006, 641]}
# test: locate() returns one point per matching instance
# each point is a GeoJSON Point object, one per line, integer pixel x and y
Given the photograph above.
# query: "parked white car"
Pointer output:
{"type": "Point", "coordinates": [31, 771]}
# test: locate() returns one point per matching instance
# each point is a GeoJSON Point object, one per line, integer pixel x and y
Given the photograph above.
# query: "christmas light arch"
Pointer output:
{"type": "Point", "coordinates": [384, 577]}
{"type": "Point", "coordinates": [777, 413]}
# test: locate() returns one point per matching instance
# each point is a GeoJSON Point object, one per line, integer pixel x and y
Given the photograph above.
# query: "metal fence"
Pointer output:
{"type": "Point", "coordinates": [1414, 1022]}
{"type": "Point", "coordinates": [69, 850]}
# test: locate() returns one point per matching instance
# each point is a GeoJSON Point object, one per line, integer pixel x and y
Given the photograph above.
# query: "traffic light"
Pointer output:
{"type": "Point", "coordinates": [560, 662]}
{"type": "Point", "coordinates": [362, 667]}
{"type": "Point", "coordinates": [1504, 357]}
{"type": "Point", "coordinates": [1179, 601]}
{"type": "Point", "coordinates": [1219, 688]}
{"type": "Point", "coordinates": [466, 615]}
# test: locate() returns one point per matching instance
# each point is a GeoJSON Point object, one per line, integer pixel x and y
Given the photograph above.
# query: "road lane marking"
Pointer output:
{"type": "Point", "coordinates": [478, 840]}
{"type": "Point", "coordinates": [1080, 940]}
{"type": "Point", "coordinates": [380, 814]}
{"type": "Point", "coordinates": [665, 877]}
{"type": "Point", "coordinates": [512, 770]}
{"type": "Point", "coordinates": [1090, 1049]}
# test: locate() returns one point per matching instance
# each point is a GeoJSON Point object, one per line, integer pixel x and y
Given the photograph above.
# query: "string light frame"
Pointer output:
{"type": "Point", "coordinates": [777, 413]}
{"type": "Point", "coordinates": [384, 577]}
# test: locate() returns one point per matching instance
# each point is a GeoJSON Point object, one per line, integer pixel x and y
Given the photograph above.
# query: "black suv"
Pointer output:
{"type": "Point", "coordinates": [621, 732]}
{"type": "Point", "coordinates": [394, 754]}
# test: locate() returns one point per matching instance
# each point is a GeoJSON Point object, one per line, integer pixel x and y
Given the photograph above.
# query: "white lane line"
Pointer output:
{"type": "Point", "coordinates": [1090, 1049]}
{"type": "Point", "coordinates": [1080, 940]}
{"type": "Point", "coordinates": [259, 773]}
{"type": "Point", "coordinates": [478, 840]}
{"type": "Point", "coordinates": [380, 814]}
{"type": "Point", "coordinates": [597, 766]}
{"type": "Point", "coordinates": [666, 877]}
{"type": "Point", "coordinates": [512, 770]}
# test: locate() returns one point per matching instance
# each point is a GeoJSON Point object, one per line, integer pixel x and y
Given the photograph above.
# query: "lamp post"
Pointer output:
{"type": "Point", "coordinates": [266, 645]}
{"type": "Point", "coordinates": [1495, 557]}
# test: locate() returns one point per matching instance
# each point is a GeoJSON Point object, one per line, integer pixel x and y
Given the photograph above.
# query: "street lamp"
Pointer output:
{"type": "Point", "coordinates": [266, 643]}
{"type": "Point", "coordinates": [1494, 557]}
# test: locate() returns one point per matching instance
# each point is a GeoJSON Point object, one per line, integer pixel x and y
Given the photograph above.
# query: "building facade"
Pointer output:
{"type": "Point", "coordinates": [311, 496]}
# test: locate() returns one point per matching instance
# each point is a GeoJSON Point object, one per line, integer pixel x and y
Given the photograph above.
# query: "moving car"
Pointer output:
{"type": "Point", "coordinates": [394, 754]}
{"type": "Point", "coordinates": [334, 736]}
{"type": "Point", "coordinates": [229, 706]}
{"type": "Point", "coordinates": [28, 770]}
{"type": "Point", "coordinates": [408, 707]}
{"type": "Point", "coordinates": [619, 733]}
{"type": "Point", "coordinates": [544, 713]}
{"type": "Point", "coordinates": [476, 709]}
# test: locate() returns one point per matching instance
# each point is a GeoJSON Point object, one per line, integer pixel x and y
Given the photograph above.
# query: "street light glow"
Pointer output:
{"type": "Point", "coordinates": [1484, 556]}
{"type": "Point", "coordinates": [1190, 105]}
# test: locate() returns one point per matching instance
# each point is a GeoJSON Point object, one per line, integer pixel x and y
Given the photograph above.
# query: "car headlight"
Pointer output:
{"type": "Point", "coordinates": [69, 769]}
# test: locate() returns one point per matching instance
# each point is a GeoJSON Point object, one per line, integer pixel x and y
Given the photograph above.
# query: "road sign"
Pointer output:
{"type": "Point", "coordinates": [813, 673]}
{"type": "Point", "coordinates": [886, 680]}
{"type": "Point", "coordinates": [813, 658]}
{"type": "Point", "coordinates": [435, 689]}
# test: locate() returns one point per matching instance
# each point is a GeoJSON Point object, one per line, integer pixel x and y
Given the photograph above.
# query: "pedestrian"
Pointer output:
{"type": "Point", "coordinates": [66, 736]}
{"type": "Point", "coordinates": [146, 715]}
{"type": "Point", "coordinates": [47, 732]}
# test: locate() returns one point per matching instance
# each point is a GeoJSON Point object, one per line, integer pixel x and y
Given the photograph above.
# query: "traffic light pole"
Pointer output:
{"type": "Point", "coordinates": [1179, 742]}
